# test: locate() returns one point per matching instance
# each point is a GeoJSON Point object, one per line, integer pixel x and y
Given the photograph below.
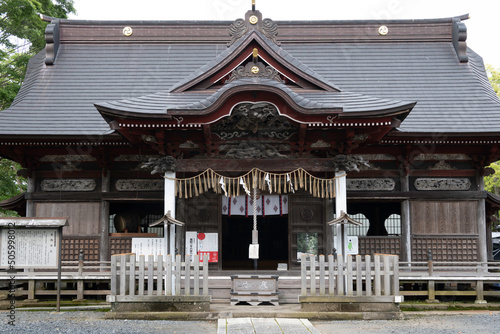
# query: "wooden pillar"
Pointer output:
{"type": "Point", "coordinates": [104, 219]}
{"type": "Point", "coordinates": [405, 221]}
{"type": "Point", "coordinates": [330, 229]}
{"type": "Point", "coordinates": [169, 229]}
{"type": "Point", "coordinates": [482, 255]}
{"type": "Point", "coordinates": [341, 206]}
{"type": "Point", "coordinates": [30, 205]}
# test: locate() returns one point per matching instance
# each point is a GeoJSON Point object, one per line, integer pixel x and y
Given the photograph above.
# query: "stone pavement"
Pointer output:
{"type": "Point", "coordinates": [265, 326]}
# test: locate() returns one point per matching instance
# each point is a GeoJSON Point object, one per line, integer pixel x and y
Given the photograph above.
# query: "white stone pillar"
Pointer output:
{"type": "Point", "coordinates": [169, 205]}
{"type": "Point", "coordinates": [340, 205]}
{"type": "Point", "coordinates": [169, 229]}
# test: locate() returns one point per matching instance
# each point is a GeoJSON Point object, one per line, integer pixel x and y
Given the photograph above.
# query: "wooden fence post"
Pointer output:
{"type": "Point", "coordinates": [151, 267]}
{"type": "Point", "coordinates": [79, 283]}
{"type": "Point", "coordinates": [359, 276]}
{"type": "Point", "coordinates": [114, 260]}
{"type": "Point", "coordinates": [313, 274]}
{"type": "Point", "coordinates": [177, 275]}
{"type": "Point", "coordinates": [321, 275]}
{"type": "Point", "coordinates": [368, 275]}
{"type": "Point", "coordinates": [196, 282]}
{"type": "Point", "coordinates": [395, 276]}
{"type": "Point", "coordinates": [168, 275]}
{"type": "Point", "coordinates": [187, 277]}
{"type": "Point", "coordinates": [159, 275]}
{"type": "Point", "coordinates": [376, 278]}
{"type": "Point", "coordinates": [131, 284]}
{"type": "Point", "coordinates": [205, 275]}
{"type": "Point", "coordinates": [340, 275]}
{"type": "Point", "coordinates": [387, 275]}
{"type": "Point", "coordinates": [303, 275]}
{"type": "Point", "coordinates": [142, 274]}
{"type": "Point", "coordinates": [349, 285]}
{"type": "Point", "coordinates": [331, 276]}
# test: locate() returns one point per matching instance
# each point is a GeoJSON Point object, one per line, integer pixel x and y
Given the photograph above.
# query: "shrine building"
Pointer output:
{"type": "Point", "coordinates": [119, 123]}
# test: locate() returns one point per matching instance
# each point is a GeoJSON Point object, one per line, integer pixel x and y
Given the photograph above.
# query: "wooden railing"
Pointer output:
{"type": "Point", "coordinates": [357, 276]}
{"type": "Point", "coordinates": [76, 276]}
{"type": "Point", "coordinates": [161, 277]}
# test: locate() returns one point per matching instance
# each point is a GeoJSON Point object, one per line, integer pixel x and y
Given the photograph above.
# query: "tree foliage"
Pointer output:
{"type": "Point", "coordinates": [22, 36]}
{"type": "Point", "coordinates": [494, 76]}
{"type": "Point", "coordinates": [11, 184]}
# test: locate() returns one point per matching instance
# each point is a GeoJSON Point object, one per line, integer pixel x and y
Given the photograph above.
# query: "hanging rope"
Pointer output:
{"type": "Point", "coordinates": [280, 183]}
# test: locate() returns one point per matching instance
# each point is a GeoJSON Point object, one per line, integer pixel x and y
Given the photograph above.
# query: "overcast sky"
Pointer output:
{"type": "Point", "coordinates": [482, 28]}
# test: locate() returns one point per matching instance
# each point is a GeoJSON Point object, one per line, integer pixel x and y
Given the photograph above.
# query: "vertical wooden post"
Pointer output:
{"type": "Point", "coordinates": [341, 206]}
{"type": "Point", "coordinates": [368, 275]}
{"type": "Point", "coordinates": [321, 275]}
{"type": "Point", "coordinates": [340, 275]}
{"type": "Point", "coordinates": [114, 278]}
{"type": "Point", "coordinates": [196, 281]}
{"type": "Point", "coordinates": [376, 278]}
{"type": "Point", "coordinates": [187, 277]}
{"type": "Point", "coordinates": [405, 217]}
{"type": "Point", "coordinates": [151, 267]}
{"type": "Point", "coordinates": [331, 276]}
{"type": "Point", "coordinates": [79, 283]}
{"type": "Point", "coordinates": [104, 251]}
{"type": "Point", "coordinates": [480, 292]}
{"type": "Point", "coordinates": [131, 284]}
{"type": "Point", "coordinates": [431, 291]}
{"type": "Point", "coordinates": [349, 285]}
{"type": "Point", "coordinates": [123, 276]}
{"type": "Point", "coordinates": [31, 289]}
{"type": "Point", "coordinates": [177, 275]}
{"type": "Point", "coordinates": [387, 276]}
{"type": "Point", "coordinates": [159, 275]}
{"type": "Point", "coordinates": [205, 276]}
{"type": "Point", "coordinates": [303, 275]}
{"type": "Point", "coordinates": [168, 275]}
{"type": "Point", "coordinates": [142, 274]}
{"type": "Point", "coordinates": [395, 276]}
{"type": "Point", "coordinates": [313, 275]}
{"type": "Point", "coordinates": [359, 276]}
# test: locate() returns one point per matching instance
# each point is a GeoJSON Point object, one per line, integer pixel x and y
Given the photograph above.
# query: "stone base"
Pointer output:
{"type": "Point", "coordinates": [350, 304]}
{"type": "Point", "coordinates": [159, 303]}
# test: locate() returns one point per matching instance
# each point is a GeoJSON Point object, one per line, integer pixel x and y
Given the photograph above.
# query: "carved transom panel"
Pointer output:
{"type": "Point", "coordinates": [260, 120]}
{"type": "Point", "coordinates": [442, 184]}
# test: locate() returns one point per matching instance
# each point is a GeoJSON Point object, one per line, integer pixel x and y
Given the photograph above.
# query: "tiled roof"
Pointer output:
{"type": "Point", "coordinates": [59, 100]}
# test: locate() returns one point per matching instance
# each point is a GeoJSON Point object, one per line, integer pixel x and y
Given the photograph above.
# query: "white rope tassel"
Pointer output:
{"type": "Point", "coordinates": [223, 186]}
{"type": "Point", "coordinates": [268, 181]}
{"type": "Point", "coordinates": [290, 182]}
{"type": "Point", "coordinates": [247, 191]}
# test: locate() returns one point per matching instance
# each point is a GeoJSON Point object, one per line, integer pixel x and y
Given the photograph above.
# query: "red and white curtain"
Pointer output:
{"type": "Point", "coordinates": [267, 205]}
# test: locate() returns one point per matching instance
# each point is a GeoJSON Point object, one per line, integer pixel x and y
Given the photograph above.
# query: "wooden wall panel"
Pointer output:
{"type": "Point", "coordinates": [83, 216]}
{"type": "Point", "coordinates": [443, 217]}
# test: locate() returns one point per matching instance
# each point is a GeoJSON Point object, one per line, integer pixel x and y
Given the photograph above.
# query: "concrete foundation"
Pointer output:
{"type": "Point", "coordinates": [349, 304]}
{"type": "Point", "coordinates": [159, 303]}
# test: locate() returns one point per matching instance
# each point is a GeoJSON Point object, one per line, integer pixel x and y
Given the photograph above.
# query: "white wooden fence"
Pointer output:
{"type": "Point", "coordinates": [353, 277]}
{"type": "Point", "coordinates": [147, 277]}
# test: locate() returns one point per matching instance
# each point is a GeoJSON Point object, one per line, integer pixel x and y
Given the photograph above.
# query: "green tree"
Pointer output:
{"type": "Point", "coordinates": [11, 184]}
{"type": "Point", "coordinates": [21, 37]}
{"type": "Point", "coordinates": [492, 182]}
{"type": "Point", "coordinates": [494, 76]}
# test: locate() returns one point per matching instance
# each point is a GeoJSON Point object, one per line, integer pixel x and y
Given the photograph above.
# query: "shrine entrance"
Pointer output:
{"type": "Point", "coordinates": [237, 234]}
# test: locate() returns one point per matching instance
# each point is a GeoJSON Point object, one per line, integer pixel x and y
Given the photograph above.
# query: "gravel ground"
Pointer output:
{"type": "Point", "coordinates": [94, 322]}
{"type": "Point", "coordinates": [470, 323]}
